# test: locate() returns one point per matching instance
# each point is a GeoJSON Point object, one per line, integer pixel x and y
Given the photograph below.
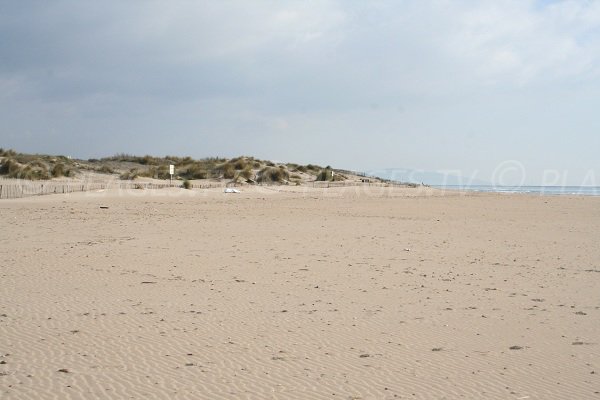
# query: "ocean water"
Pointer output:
{"type": "Point", "coordinates": [540, 190]}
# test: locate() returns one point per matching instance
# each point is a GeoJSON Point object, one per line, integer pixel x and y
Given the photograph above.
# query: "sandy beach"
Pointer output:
{"type": "Point", "coordinates": [299, 293]}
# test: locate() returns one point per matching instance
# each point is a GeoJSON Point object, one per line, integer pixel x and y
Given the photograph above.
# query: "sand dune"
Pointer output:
{"type": "Point", "coordinates": [298, 293]}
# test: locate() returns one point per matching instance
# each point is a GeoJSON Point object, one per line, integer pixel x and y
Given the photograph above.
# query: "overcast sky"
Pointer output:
{"type": "Point", "coordinates": [434, 85]}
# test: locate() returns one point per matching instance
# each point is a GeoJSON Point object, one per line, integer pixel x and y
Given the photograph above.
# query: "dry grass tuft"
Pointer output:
{"type": "Point", "coordinates": [273, 175]}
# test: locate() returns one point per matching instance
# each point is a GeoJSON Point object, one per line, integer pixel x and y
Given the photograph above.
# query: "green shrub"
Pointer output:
{"type": "Point", "coordinates": [187, 184]}
{"type": "Point", "coordinates": [195, 171]}
{"type": "Point", "coordinates": [148, 160]}
{"type": "Point", "coordinates": [148, 173]}
{"type": "Point", "coordinates": [311, 169]}
{"type": "Point", "coordinates": [162, 172]}
{"type": "Point", "coordinates": [240, 164]}
{"type": "Point", "coordinates": [199, 174]}
{"type": "Point", "coordinates": [9, 167]}
{"type": "Point", "coordinates": [105, 169]}
{"type": "Point", "coordinates": [26, 158]}
{"type": "Point", "coordinates": [227, 170]}
{"type": "Point", "coordinates": [58, 170]}
{"type": "Point", "coordinates": [272, 175]}
{"type": "Point", "coordinates": [130, 175]}
{"type": "Point", "coordinates": [324, 175]}
{"type": "Point", "coordinates": [32, 171]}
{"type": "Point", "coordinates": [247, 173]}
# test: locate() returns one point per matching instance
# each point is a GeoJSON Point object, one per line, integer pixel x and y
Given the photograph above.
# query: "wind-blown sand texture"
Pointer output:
{"type": "Point", "coordinates": [355, 293]}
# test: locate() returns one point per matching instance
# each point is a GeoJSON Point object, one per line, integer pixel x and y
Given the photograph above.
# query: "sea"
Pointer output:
{"type": "Point", "coordinates": [536, 190]}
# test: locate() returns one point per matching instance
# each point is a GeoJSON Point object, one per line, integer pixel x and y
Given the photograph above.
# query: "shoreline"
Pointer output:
{"type": "Point", "coordinates": [591, 191]}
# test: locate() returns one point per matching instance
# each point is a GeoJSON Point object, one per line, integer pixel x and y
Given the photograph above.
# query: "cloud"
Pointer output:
{"type": "Point", "coordinates": [436, 81]}
{"type": "Point", "coordinates": [519, 44]}
{"type": "Point", "coordinates": [204, 49]}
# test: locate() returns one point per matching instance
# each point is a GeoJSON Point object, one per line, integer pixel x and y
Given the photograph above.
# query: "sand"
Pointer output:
{"type": "Point", "coordinates": [294, 293]}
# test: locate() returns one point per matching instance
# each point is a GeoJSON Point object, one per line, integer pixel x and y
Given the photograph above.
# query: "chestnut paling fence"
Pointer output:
{"type": "Point", "coordinates": [17, 188]}
{"type": "Point", "coordinates": [330, 184]}
{"type": "Point", "coordinates": [14, 189]}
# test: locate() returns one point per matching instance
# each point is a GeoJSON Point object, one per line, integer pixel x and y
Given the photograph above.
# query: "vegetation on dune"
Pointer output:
{"type": "Point", "coordinates": [32, 170]}
{"type": "Point", "coordinates": [308, 169]}
{"type": "Point", "coordinates": [239, 163]}
{"type": "Point", "coordinates": [325, 175]}
{"type": "Point", "coordinates": [34, 166]}
{"type": "Point", "coordinates": [59, 170]}
{"type": "Point", "coordinates": [157, 161]}
{"type": "Point", "coordinates": [226, 170]}
{"type": "Point", "coordinates": [156, 172]}
{"type": "Point", "coordinates": [105, 169]}
{"type": "Point", "coordinates": [187, 167]}
{"type": "Point", "coordinates": [9, 167]}
{"type": "Point", "coordinates": [7, 153]}
{"type": "Point", "coordinates": [129, 175]}
{"type": "Point", "coordinates": [240, 168]}
{"type": "Point", "coordinates": [272, 174]}
{"type": "Point", "coordinates": [328, 174]}
{"type": "Point", "coordinates": [194, 171]}
{"type": "Point", "coordinates": [130, 167]}
{"type": "Point", "coordinates": [247, 173]}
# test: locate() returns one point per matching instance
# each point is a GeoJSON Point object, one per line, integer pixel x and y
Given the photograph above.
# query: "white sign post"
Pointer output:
{"type": "Point", "coordinates": [171, 172]}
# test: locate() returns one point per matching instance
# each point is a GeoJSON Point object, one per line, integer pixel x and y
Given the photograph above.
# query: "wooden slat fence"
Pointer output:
{"type": "Point", "coordinates": [14, 189]}
{"type": "Point", "coordinates": [334, 184]}
{"type": "Point", "coordinates": [11, 189]}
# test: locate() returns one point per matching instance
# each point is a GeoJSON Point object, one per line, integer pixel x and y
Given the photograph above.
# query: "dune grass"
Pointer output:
{"type": "Point", "coordinates": [130, 167]}
{"type": "Point", "coordinates": [271, 174]}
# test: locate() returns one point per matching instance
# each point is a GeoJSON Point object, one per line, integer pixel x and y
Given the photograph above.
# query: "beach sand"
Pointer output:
{"type": "Point", "coordinates": [296, 293]}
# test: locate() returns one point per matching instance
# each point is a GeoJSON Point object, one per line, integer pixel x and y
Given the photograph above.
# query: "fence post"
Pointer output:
{"type": "Point", "coordinates": [0, 191]}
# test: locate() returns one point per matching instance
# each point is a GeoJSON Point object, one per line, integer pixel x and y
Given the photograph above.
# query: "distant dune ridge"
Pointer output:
{"type": "Point", "coordinates": [34, 174]}
{"type": "Point", "coordinates": [243, 169]}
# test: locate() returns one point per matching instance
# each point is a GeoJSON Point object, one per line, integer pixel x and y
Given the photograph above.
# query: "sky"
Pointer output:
{"type": "Point", "coordinates": [501, 91]}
